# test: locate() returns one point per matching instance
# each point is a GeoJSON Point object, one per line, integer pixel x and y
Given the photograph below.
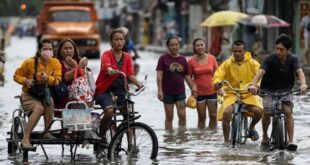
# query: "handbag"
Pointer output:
{"type": "Point", "coordinates": [37, 89]}
{"type": "Point", "coordinates": [60, 90]}
{"type": "Point", "coordinates": [80, 89]}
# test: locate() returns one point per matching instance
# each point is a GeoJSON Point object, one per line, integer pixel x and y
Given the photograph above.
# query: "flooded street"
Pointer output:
{"type": "Point", "coordinates": [182, 146]}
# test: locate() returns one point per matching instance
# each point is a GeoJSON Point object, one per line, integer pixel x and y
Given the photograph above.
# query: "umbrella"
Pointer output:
{"type": "Point", "coordinates": [223, 18]}
{"type": "Point", "coordinates": [264, 21]}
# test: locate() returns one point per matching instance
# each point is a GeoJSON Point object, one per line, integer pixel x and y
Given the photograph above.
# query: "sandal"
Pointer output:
{"type": "Point", "coordinates": [253, 134]}
{"type": "Point", "coordinates": [104, 143]}
{"type": "Point", "coordinates": [292, 147]}
{"type": "Point", "coordinates": [27, 147]}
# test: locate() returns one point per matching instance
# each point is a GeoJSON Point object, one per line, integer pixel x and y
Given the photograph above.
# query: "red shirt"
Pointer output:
{"type": "Point", "coordinates": [203, 74]}
{"type": "Point", "coordinates": [104, 80]}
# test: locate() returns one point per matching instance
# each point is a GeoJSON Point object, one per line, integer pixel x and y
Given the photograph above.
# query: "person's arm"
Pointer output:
{"type": "Point", "coordinates": [72, 64]}
{"type": "Point", "coordinates": [219, 76]}
{"type": "Point", "coordinates": [254, 86]}
{"type": "Point", "coordinates": [132, 78]}
{"type": "Point", "coordinates": [159, 78]}
{"type": "Point", "coordinates": [20, 74]}
{"type": "Point", "coordinates": [301, 76]}
{"type": "Point", "coordinates": [191, 84]}
{"type": "Point", "coordinates": [190, 68]}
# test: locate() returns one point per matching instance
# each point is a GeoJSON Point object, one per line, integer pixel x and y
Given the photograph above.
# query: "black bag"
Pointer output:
{"type": "Point", "coordinates": [60, 90]}
{"type": "Point", "coordinates": [37, 89]}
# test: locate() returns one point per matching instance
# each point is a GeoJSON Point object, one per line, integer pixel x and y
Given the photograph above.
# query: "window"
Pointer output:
{"type": "Point", "coordinates": [70, 16]}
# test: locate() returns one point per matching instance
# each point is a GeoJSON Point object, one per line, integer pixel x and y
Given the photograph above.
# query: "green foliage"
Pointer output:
{"type": "Point", "coordinates": [12, 8]}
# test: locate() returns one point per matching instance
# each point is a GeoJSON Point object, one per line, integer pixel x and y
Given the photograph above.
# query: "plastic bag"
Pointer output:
{"type": "Point", "coordinates": [80, 89]}
{"type": "Point", "coordinates": [191, 102]}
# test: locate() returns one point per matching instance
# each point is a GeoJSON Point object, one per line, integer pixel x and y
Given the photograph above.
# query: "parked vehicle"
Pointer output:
{"type": "Point", "coordinates": [77, 20]}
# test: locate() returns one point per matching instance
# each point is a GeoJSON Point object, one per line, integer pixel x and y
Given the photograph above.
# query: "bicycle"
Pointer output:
{"type": "Point", "coordinates": [239, 124]}
{"type": "Point", "coordinates": [279, 134]}
{"type": "Point", "coordinates": [19, 120]}
{"type": "Point", "coordinates": [130, 139]}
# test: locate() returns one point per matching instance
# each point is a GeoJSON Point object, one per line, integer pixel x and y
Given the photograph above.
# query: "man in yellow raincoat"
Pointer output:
{"type": "Point", "coordinates": [238, 70]}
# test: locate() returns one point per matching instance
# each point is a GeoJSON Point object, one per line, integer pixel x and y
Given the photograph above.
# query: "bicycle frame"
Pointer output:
{"type": "Point", "coordinates": [279, 133]}
{"type": "Point", "coordinates": [239, 124]}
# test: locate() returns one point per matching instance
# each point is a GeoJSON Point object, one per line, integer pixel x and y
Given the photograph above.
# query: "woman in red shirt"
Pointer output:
{"type": "Point", "coordinates": [201, 68]}
{"type": "Point", "coordinates": [110, 81]}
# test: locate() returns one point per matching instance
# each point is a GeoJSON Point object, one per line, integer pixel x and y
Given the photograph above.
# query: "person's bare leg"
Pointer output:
{"type": "Point", "coordinates": [169, 116]}
{"type": "Point", "coordinates": [289, 123]}
{"type": "Point", "coordinates": [265, 125]}
{"type": "Point", "coordinates": [48, 115]}
{"type": "Point", "coordinates": [212, 109]}
{"type": "Point", "coordinates": [181, 113]}
{"type": "Point", "coordinates": [33, 120]}
{"type": "Point", "coordinates": [226, 122]}
{"type": "Point", "coordinates": [257, 115]}
{"type": "Point", "coordinates": [201, 110]}
{"type": "Point", "coordinates": [106, 121]}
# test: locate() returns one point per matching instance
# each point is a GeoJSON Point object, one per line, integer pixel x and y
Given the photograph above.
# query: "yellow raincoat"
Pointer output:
{"type": "Point", "coordinates": [238, 74]}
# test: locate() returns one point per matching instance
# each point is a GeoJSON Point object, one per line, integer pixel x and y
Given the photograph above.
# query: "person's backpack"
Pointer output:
{"type": "Point", "coordinates": [308, 26]}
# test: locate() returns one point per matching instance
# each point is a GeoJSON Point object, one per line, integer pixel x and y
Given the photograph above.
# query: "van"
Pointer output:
{"type": "Point", "coordinates": [76, 20]}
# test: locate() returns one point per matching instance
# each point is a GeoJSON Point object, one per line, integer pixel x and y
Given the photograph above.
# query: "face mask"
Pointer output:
{"type": "Point", "coordinates": [46, 54]}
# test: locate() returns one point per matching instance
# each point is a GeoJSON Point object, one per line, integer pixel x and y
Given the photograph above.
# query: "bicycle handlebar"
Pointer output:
{"type": "Point", "coordinates": [137, 91]}
{"type": "Point", "coordinates": [235, 89]}
{"type": "Point", "coordinates": [263, 93]}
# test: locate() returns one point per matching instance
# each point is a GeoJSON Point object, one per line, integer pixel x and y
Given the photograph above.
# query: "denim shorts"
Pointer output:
{"type": "Point", "coordinates": [171, 99]}
{"type": "Point", "coordinates": [269, 103]}
{"type": "Point", "coordinates": [105, 100]}
{"type": "Point", "coordinates": [207, 97]}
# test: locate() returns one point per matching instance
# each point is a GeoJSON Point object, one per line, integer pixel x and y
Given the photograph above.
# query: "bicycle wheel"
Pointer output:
{"type": "Point", "coordinates": [108, 137]}
{"type": "Point", "coordinates": [234, 129]}
{"type": "Point", "coordinates": [139, 140]}
{"type": "Point", "coordinates": [281, 133]}
{"type": "Point", "coordinates": [17, 133]}
{"type": "Point", "coordinates": [243, 129]}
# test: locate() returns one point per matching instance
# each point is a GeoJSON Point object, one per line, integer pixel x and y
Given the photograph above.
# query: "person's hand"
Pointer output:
{"type": "Point", "coordinates": [194, 93]}
{"type": "Point", "coordinates": [253, 89]}
{"type": "Point", "coordinates": [160, 95]}
{"type": "Point", "coordinates": [43, 76]}
{"type": "Point", "coordinates": [29, 82]}
{"type": "Point", "coordinates": [113, 72]}
{"type": "Point", "coordinates": [303, 88]}
{"type": "Point", "coordinates": [139, 87]}
{"type": "Point", "coordinates": [218, 85]}
{"type": "Point", "coordinates": [83, 62]}
{"type": "Point", "coordinates": [221, 92]}
{"type": "Point", "coordinates": [70, 62]}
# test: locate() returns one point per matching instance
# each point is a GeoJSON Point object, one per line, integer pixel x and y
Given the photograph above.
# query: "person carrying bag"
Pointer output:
{"type": "Point", "coordinates": [80, 89]}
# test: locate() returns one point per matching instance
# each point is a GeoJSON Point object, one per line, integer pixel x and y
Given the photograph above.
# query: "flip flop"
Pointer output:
{"type": "Point", "coordinates": [292, 147]}
{"type": "Point", "coordinates": [27, 147]}
{"type": "Point", "coordinates": [264, 144]}
{"type": "Point", "coordinates": [253, 134]}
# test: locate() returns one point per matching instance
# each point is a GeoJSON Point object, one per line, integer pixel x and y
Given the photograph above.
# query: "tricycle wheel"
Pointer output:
{"type": "Point", "coordinates": [17, 133]}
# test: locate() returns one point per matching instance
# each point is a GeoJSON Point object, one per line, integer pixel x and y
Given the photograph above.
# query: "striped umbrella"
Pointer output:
{"type": "Point", "coordinates": [264, 21]}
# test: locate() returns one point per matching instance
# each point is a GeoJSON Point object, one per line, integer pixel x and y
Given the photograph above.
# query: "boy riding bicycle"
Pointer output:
{"type": "Point", "coordinates": [278, 75]}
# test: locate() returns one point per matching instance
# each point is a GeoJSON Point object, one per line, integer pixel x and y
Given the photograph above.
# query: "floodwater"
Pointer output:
{"type": "Point", "coordinates": [181, 146]}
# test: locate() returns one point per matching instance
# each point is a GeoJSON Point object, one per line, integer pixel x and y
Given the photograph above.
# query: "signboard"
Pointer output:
{"type": "Point", "coordinates": [77, 119]}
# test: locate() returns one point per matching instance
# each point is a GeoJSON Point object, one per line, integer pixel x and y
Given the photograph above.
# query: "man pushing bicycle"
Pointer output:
{"type": "Point", "coordinates": [278, 76]}
{"type": "Point", "coordinates": [238, 70]}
